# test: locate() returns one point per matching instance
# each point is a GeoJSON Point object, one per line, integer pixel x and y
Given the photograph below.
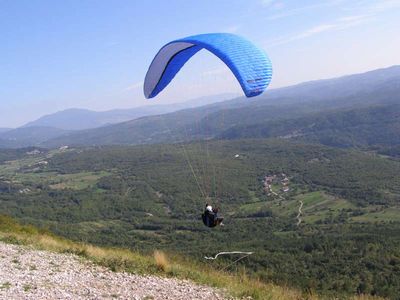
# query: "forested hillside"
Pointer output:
{"type": "Point", "coordinates": [376, 125]}
{"type": "Point", "coordinates": [343, 241]}
{"type": "Point", "coordinates": [306, 178]}
{"type": "Point", "coordinates": [245, 150]}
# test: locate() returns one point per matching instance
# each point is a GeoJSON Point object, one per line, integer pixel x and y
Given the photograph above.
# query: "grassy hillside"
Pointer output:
{"type": "Point", "coordinates": [146, 197]}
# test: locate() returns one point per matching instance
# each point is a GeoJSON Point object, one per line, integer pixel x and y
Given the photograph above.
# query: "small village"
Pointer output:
{"type": "Point", "coordinates": [275, 179]}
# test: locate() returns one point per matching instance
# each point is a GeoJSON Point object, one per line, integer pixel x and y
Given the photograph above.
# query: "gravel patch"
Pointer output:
{"type": "Point", "coordinates": [32, 274]}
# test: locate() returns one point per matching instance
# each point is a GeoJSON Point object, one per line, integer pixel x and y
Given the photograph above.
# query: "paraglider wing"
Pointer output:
{"type": "Point", "coordinates": [250, 65]}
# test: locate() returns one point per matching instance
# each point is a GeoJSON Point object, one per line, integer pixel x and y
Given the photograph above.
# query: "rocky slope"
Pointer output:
{"type": "Point", "coordinates": [26, 273]}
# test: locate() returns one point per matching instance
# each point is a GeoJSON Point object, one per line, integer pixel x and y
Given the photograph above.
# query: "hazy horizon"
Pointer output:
{"type": "Point", "coordinates": [61, 55]}
{"type": "Point", "coordinates": [152, 103]}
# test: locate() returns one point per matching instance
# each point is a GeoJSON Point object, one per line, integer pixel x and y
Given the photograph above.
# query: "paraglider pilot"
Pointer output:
{"type": "Point", "coordinates": [210, 216]}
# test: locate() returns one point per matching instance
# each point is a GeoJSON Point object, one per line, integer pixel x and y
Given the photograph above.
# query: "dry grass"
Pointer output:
{"type": "Point", "coordinates": [161, 261]}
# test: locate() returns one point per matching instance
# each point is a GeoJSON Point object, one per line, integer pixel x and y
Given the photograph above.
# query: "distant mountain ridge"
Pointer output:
{"type": "Point", "coordinates": [81, 119]}
{"type": "Point", "coordinates": [227, 119]}
{"type": "Point", "coordinates": [29, 136]}
{"type": "Point", "coordinates": [379, 87]}
{"type": "Point", "coordinates": [66, 122]}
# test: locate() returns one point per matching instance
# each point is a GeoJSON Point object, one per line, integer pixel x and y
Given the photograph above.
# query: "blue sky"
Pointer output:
{"type": "Point", "coordinates": [94, 54]}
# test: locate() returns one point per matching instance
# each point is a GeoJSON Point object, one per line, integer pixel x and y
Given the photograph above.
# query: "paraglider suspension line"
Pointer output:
{"type": "Point", "coordinates": [193, 172]}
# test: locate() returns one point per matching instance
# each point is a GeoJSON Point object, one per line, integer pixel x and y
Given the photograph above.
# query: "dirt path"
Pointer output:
{"type": "Point", "coordinates": [33, 274]}
{"type": "Point", "coordinates": [299, 213]}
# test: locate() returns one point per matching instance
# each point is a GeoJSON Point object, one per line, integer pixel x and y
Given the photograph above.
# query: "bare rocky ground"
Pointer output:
{"type": "Point", "coordinates": [32, 274]}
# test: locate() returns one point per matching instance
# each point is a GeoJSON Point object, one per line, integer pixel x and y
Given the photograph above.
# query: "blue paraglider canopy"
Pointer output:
{"type": "Point", "coordinates": [250, 65]}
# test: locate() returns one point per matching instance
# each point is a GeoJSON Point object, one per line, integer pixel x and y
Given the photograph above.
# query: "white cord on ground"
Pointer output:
{"type": "Point", "coordinates": [228, 253]}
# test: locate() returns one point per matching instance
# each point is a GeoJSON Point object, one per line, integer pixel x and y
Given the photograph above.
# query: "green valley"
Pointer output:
{"type": "Point", "coordinates": [146, 197]}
